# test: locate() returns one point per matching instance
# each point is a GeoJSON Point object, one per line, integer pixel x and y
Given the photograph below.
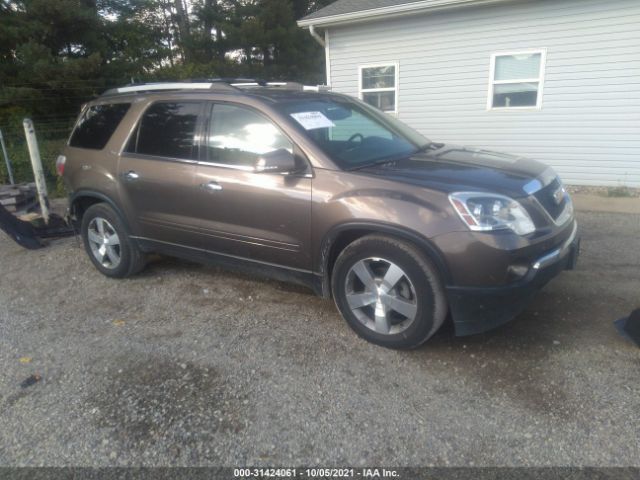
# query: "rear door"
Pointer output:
{"type": "Point", "coordinates": [156, 172]}
{"type": "Point", "coordinates": [260, 216]}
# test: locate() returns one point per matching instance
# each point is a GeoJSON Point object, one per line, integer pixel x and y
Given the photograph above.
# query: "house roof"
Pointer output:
{"type": "Point", "coordinates": [348, 11]}
{"type": "Point", "coordinates": [349, 6]}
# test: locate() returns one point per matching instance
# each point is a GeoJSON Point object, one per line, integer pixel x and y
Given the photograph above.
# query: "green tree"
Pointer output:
{"type": "Point", "coordinates": [260, 36]}
{"type": "Point", "coordinates": [56, 54]}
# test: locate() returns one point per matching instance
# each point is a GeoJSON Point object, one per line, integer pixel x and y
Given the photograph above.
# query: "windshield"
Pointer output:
{"type": "Point", "coordinates": [351, 133]}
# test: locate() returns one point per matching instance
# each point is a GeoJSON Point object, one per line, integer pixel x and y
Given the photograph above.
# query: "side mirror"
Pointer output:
{"type": "Point", "coordinates": [278, 161]}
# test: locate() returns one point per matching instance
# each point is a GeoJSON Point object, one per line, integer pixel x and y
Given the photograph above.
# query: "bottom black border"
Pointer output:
{"type": "Point", "coordinates": [229, 473]}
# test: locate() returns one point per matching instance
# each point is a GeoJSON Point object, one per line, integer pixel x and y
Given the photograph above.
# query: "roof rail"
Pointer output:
{"type": "Point", "coordinates": [285, 86]}
{"type": "Point", "coordinates": [316, 88]}
{"type": "Point", "coordinates": [151, 87]}
{"type": "Point", "coordinates": [225, 84]}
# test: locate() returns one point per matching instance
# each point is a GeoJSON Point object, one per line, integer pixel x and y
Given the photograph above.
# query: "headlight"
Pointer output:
{"type": "Point", "coordinates": [487, 212]}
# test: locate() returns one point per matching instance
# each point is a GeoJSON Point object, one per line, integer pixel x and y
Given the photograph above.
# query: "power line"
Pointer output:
{"type": "Point", "coordinates": [119, 80]}
{"type": "Point", "coordinates": [50, 98]}
{"type": "Point", "coordinates": [57, 89]}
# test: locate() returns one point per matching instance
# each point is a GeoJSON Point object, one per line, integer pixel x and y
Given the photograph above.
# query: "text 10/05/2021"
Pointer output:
{"type": "Point", "coordinates": [317, 473]}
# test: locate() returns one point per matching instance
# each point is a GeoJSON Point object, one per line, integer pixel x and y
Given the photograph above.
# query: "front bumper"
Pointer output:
{"type": "Point", "coordinates": [478, 309]}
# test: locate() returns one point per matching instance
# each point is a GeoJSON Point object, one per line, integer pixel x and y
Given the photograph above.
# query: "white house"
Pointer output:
{"type": "Point", "coordinates": [556, 80]}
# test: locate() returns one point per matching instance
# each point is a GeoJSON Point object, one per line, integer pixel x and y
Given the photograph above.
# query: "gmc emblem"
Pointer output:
{"type": "Point", "coordinates": [558, 195]}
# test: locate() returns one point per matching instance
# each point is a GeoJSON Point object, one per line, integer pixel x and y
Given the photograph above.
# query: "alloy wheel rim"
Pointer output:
{"type": "Point", "coordinates": [104, 242]}
{"type": "Point", "coordinates": [381, 296]}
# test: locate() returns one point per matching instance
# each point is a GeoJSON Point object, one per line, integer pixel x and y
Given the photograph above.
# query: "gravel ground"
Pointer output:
{"type": "Point", "coordinates": [191, 365]}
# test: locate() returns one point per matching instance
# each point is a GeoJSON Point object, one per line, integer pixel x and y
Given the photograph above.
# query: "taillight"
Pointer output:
{"type": "Point", "coordinates": [60, 161]}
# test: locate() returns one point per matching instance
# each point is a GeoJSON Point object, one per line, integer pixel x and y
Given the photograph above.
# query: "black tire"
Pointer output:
{"type": "Point", "coordinates": [131, 259]}
{"type": "Point", "coordinates": [425, 291]}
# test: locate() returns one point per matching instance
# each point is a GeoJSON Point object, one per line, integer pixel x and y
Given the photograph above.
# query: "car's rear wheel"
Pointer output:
{"type": "Point", "coordinates": [388, 291]}
{"type": "Point", "coordinates": [107, 243]}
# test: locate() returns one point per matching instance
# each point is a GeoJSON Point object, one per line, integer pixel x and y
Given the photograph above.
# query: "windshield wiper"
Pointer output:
{"type": "Point", "coordinates": [394, 159]}
{"type": "Point", "coordinates": [429, 146]}
{"type": "Point", "coordinates": [424, 148]}
{"type": "Point", "coordinates": [385, 161]}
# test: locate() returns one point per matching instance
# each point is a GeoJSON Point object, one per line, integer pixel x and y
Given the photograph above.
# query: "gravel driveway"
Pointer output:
{"type": "Point", "coordinates": [186, 364]}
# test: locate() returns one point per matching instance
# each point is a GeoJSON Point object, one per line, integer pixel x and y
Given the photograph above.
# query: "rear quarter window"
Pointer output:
{"type": "Point", "coordinates": [97, 124]}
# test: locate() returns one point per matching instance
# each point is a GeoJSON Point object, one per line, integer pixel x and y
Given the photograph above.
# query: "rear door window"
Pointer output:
{"type": "Point", "coordinates": [167, 129]}
{"type": "Point", "coordinates": [97, 124]}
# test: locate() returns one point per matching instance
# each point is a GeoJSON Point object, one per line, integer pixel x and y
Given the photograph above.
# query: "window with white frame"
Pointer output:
{"type": "Point", "coordinates": [516, 79]}
{"type": "Point", "coordinates": [379, 86]}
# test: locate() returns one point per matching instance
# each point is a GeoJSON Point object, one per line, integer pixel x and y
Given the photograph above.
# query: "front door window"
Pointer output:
{"type": "Point", "coordinates": [237, 136]}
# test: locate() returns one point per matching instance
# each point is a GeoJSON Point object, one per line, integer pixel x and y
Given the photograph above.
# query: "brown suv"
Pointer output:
{"type": "Point", "coordinates": [321, 189]}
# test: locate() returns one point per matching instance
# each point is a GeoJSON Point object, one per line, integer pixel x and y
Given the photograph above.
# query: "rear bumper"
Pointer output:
{"type": "Point", "coordinates": [478, 309]}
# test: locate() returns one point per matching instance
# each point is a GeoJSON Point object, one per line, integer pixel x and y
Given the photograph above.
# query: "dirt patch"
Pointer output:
{"type": "Point", "coordinates": [512, 362]}
{"type": "Point", "coordinates": [148, 400]}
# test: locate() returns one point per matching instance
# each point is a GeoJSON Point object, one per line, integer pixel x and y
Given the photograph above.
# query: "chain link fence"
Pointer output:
{"type": "Point", "coordinates": [52, 134]}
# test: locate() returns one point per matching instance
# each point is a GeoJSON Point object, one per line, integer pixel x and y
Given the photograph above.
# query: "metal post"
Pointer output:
{"type": "Point", "coordinates": [36, 163]}
{"type": "Point", "coordinates": [6, 160]}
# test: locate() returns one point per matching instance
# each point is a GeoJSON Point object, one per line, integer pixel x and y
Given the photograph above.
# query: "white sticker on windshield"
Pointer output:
{"type": "Point", "coordinates": [312, 120]}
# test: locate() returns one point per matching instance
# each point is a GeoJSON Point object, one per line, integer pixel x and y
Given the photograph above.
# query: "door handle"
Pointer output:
{"type": "Point", "coordinates": [131, 175]}
{"type": "Point", "coordinates": [212, 186]}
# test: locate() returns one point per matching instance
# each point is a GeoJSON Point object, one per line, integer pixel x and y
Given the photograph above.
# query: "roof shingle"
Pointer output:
{"type": "Point", "coordinates": [349, 6]}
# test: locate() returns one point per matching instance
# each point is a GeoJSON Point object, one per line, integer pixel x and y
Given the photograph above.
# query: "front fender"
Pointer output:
{"type": "Point", "coordinates": [354, 201]}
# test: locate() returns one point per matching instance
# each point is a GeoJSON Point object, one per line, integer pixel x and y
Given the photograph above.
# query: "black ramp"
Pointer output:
{"type": "Point", "coordinates": [630, 326]}
{"type": "Point", "coordinates": [22, 232]}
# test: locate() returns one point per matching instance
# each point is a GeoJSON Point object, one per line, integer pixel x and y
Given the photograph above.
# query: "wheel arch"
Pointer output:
{"type": "Point", "coordinates": [339, 237]}
{"type": "Point", "coordinates": [81, 200]}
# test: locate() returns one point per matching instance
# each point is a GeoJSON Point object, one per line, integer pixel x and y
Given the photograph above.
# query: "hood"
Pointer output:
{"type": "Point", "coordinates": [451, 168]}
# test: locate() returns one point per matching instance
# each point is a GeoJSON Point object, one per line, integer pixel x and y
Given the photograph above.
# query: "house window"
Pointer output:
{"type": "Point", "coordinates": [379, 86]}
{"type": "Point", "coordinates": [516, 80]}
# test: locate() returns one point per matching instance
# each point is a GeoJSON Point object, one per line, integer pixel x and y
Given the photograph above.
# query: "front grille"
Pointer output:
{"type": "Point", "coordinates": [547, 199]}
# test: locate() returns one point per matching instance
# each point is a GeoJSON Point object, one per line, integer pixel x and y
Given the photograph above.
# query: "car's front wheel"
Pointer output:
{"type": "Point", "coordinates": [389, 292]}
{"type": "Point", "coordinates": [107, 243]}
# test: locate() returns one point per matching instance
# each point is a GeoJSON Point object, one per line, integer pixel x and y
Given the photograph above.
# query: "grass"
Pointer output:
{"type": "Point", "coordinates": [619, 192]}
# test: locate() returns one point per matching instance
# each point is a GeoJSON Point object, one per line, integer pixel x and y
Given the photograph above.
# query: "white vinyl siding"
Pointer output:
{"type": "Point", "coordinates": [587, 125]}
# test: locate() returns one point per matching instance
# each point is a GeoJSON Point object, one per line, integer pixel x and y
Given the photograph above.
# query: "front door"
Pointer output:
{"type": "Point", "coordinates": [259, 216]}
{"type": "Point", "coordinates": [157, 170]}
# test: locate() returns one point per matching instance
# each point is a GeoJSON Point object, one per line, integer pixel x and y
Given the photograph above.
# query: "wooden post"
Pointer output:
{"type": "Point", "coordinates": [7, 160]}
{"type": "Point", "coordinates": [38, 172]}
